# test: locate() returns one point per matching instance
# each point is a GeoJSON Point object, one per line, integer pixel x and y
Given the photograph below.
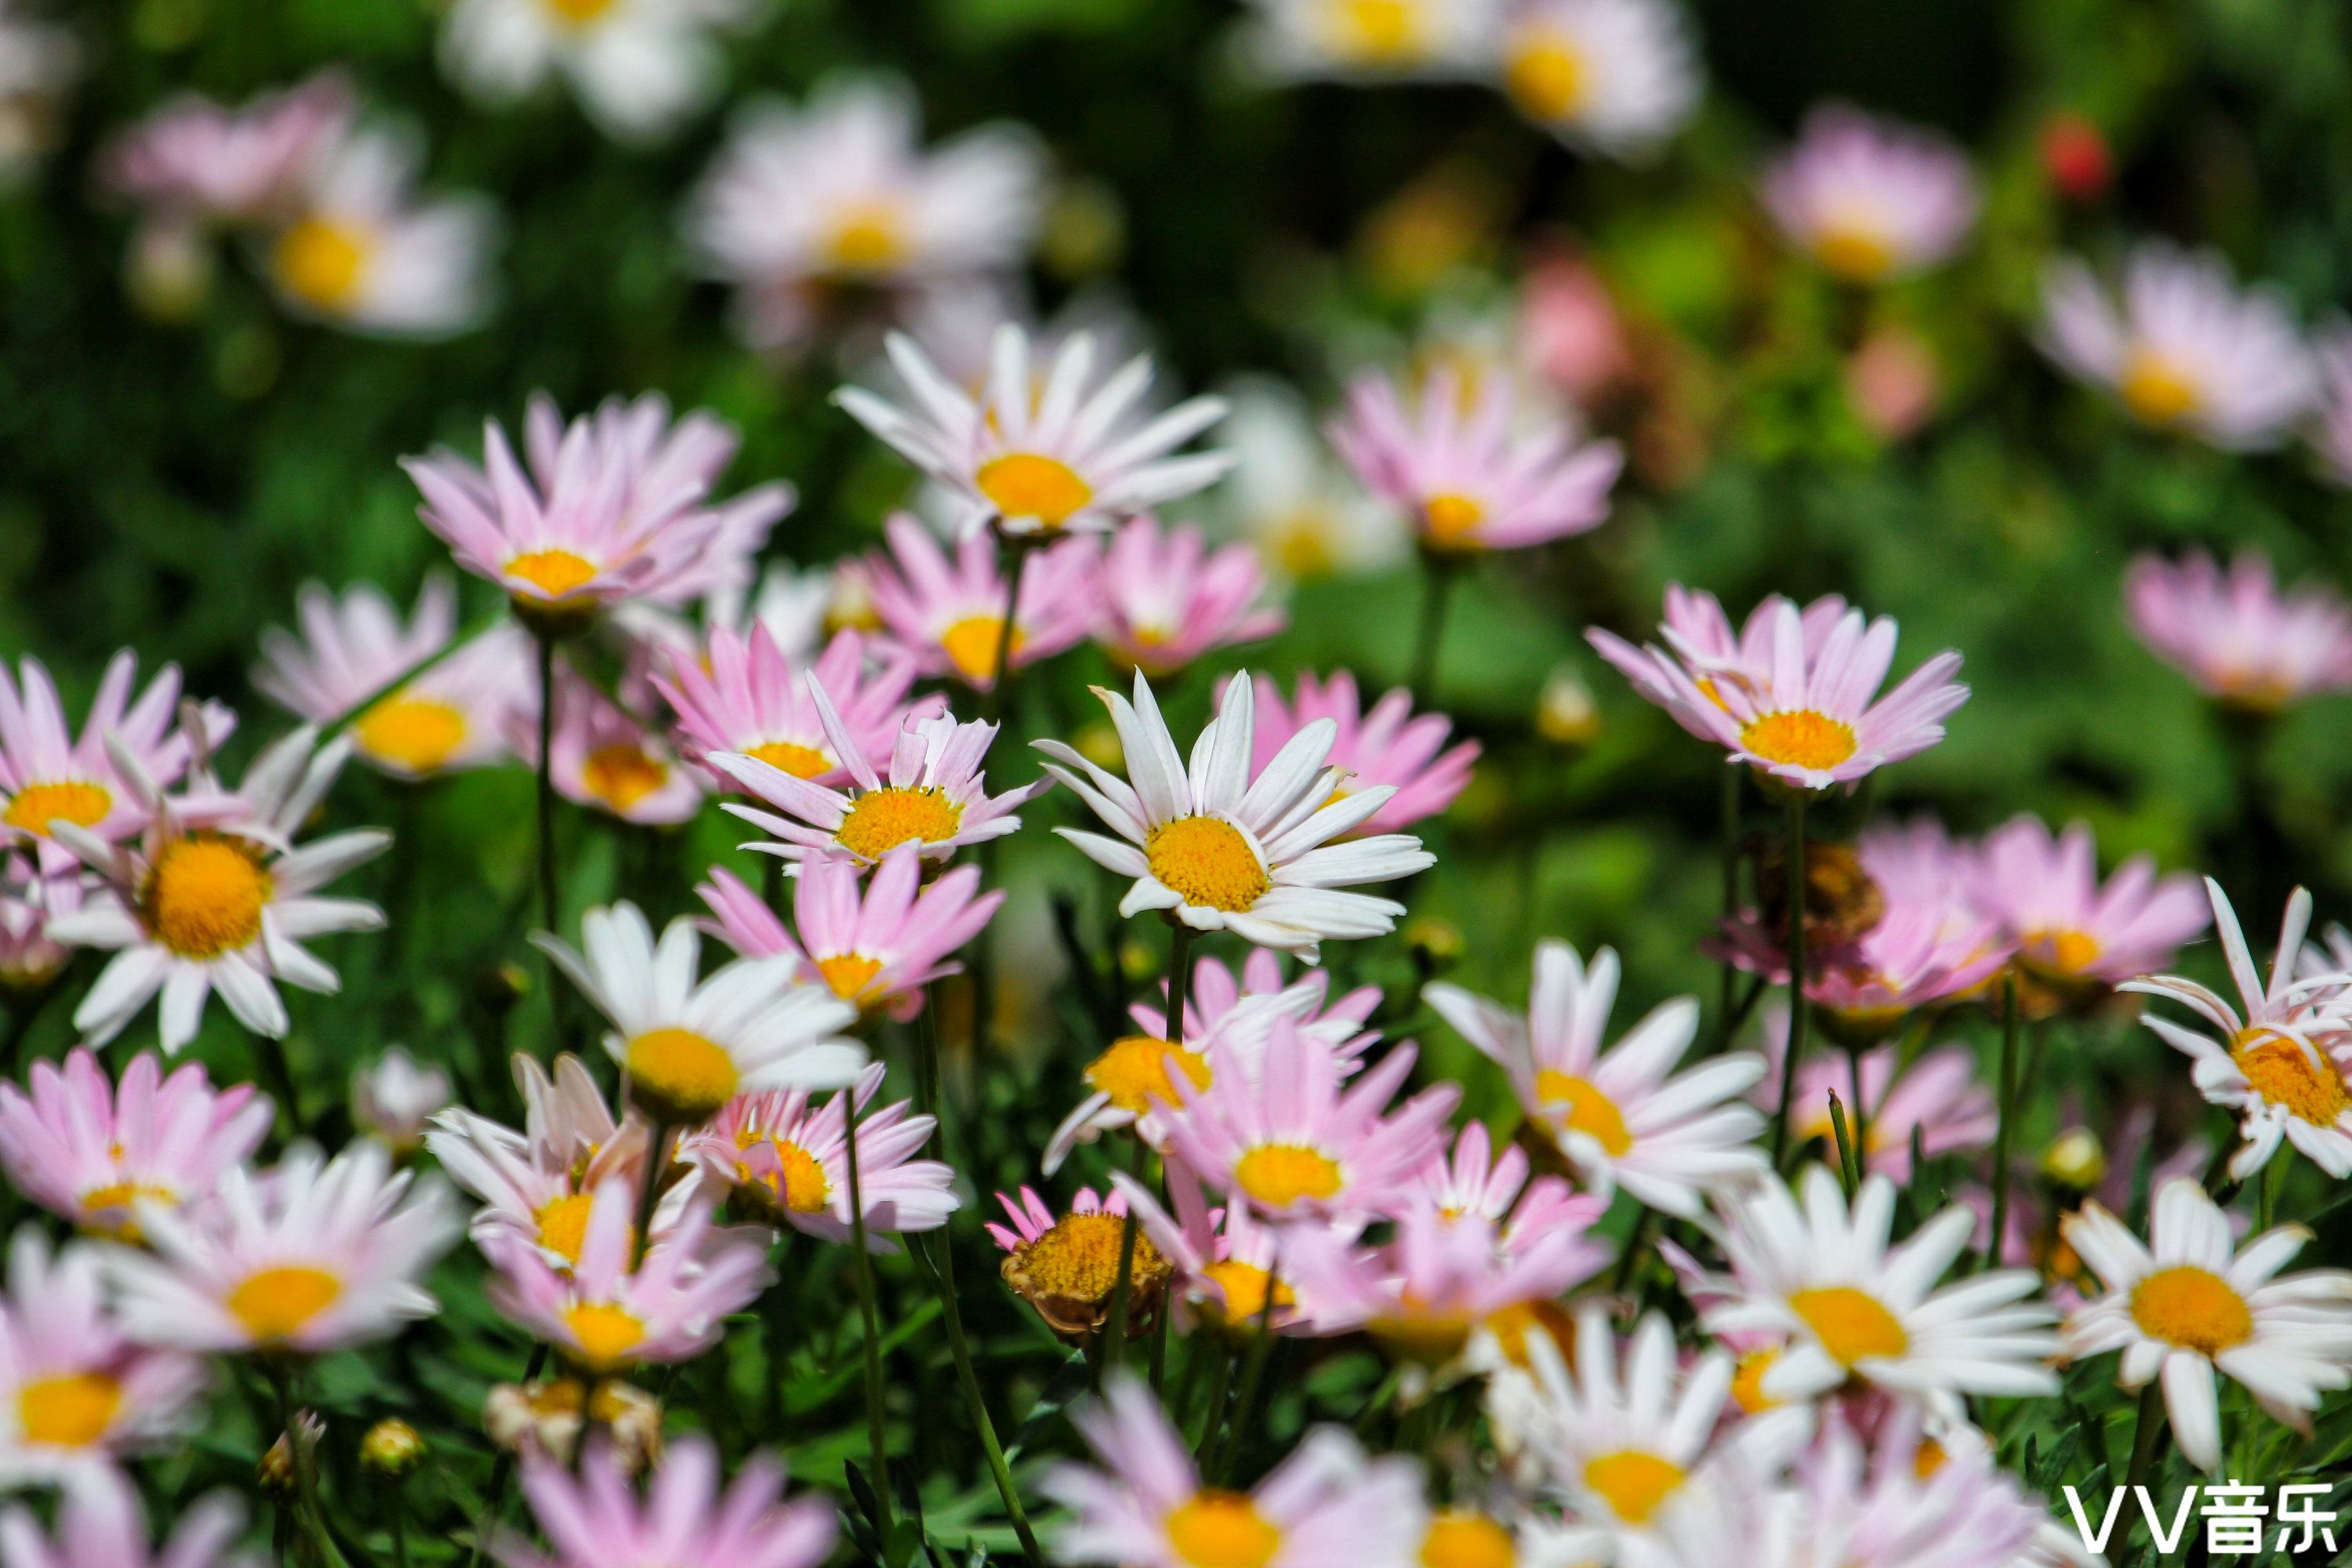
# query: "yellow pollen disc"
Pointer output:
{"type": "Point", "coordinates": [868, 236]}
{"type": "Point", "coordinates": [1851, 1324]}
{"type": "Point", "coordinates": [1134, 1072]}
{"type": "Point", "coordinates": [1244, 1288]}
{"type": "Point", "coordinates": [275, 1303]}
{"type": "Point", "coordinates": [563, 1226]}
{"type": "Point", "coordinates": [849, 974]}
{"type": "Point", "coordinates": [33, 807]}
{"type": "Point", "coordinates": [2157, 391]}
{"type": "Point", "coordinates": [2283, 1075]}
{"type": "Point", "coordinates": [972, 644]}
{"type": "Point", "coordinates": [622, 775]}
{"type": "Point", "coordinates": [1634, 1483]}
{"type": "Point", "coordinates": [1800, 738]}
{"type": "Point", "coordinates": [681, 1072]}
{"type": "Point", "coordinates": [1857, 254]}
{"type": "Point", "coordinates": [1222, 1530]}
{"type": "Point", "coordinates": [417, 733]}
{"type": "Point", "coordinates": [1078, 1258]}
{"type": "Point", "coordinates": [2060, 952]}
{"type": "Point", "coordinates": [801, 1186]}
{"type": "Point", "coordinates": [578, 13]}
{"type": "Point", "coordinates": [1747, 1382]}
{"type": "Point", "coordinates": [204, 895]}
{"type": "Point", "coordinates": [1301, 543]}
{"type": "Point", "coordinates": [1376, 31]}
{"type": "Point", "coordinates": [1587, 1111]}
{"type": "Point", "coordinates": [606, 1334]}
{"type": "Point", "coordinates": [1458, 1540]}
{"type": "Point", "coordinates": [553, 573]}
{"type": "Point", "coordinates": [792, 757]}
{"type": "Point", "coordinates": [880, 820]}
{"type": "Point", "coordinates": [71, 1410]}
{"type": "Point", "coordinates": [323, 263]}
{"type": "Point", "coordinates": [1412, 1331]}
{"type": "Point", "coordinates": [1514, 1324]}
{"type": "Point", "coordinates": [2192, 1308]}
{"type": "Point", "coordinates": [1279, 1175]}
{"type": "Point", "coordinates": [1547, 80]}
{"type": "Point", "coordinates": [1452, 522]}
{"type": "Point", "coordinates": [1206, 862]}
{"type": "Point", "coordinates": [1023, 484]}
{"type": "Point", "coordinates": [1930, 1458]}
{"type": "Point", "coordinates": [116, 1198]}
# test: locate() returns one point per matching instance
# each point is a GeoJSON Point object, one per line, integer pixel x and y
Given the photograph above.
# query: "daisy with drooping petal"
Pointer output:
{"type": "Point", "coordinates": [595, 1519]}
{"type": "Point", "coordinates": [1459, 466]}
{"type": "Point", "coordinates": [1871, 200]}
{"type": "Point", "coordinates": [839, 191]}
{"type": "Point", "coordinates": [690, 1044]}
{"type": "Point", "coordinates": [1622, 1117]}
{"type": "Point", "coordinates": [2277, 1067]}
{"type": "Point", "coordinates": [1067, 1267]}
{"type": "Point", "coordinates": [614, 1308]}
{"type": "Point", "coordinates": [393, 1097]}
{"type": "Point", "coordinates": [1849, 1305]}
{"type": "Point", "coordinates": [1615, 76]}
{"type": "Point", "coordinates": [1165, 598]}
{"type": "Point", "coordinates": [2069, 929]}
{"type": "Point", "coordinates": [950, 615]}
{"type": "Point", "coordinates": [1387, 745]}
{"type": "Point", "coordinates": [1142, 1503]}
{"type": "Point", "coordinates": [1039, 453]}
{"type": "Point", "coordinates": [2192, 1302]}
{"type": "Point", "coordinates": [743, 692]}
{"type": "Point", "coordinates": [2233, 633]}
{"type": "Point", "coordinates": [1222, 1259]}
{"type": "Point", "coordinates": [602, 758]}
{"type": "Point", "coordinates": [308, 1257]}
{"type": "Point", "coordinates": [1374, 40]}
{"type": "Point", "coordinates": [48, 776]}
{"type": "Point", "coordinates": [216, 897]}
{"type": "Point", "coordinates": [1228, 847]}
{"type": "Point", "coordinates": [638, 66]}
{"type": "Point", "coordinates": [86, 1149]}
{"type": "Point", "coordinates": [538, 1183]}
{"type": "Point", "coordinates": [936, 796]}
{"type": "Point", "coordinates": [2187, 351]}
{"type": "Point", "coordinates": [101, 1525]}
{"type": "Point", "coordinates": [791, 1157]}
{"type": "Point", "coordinates": [874, 944]}
{"type": "Point", "coordinates": [363, 252]}
{"type": "Point", "coordinates": [1289, 498]}
{"type": "Point", "coordinates": [196, 161]}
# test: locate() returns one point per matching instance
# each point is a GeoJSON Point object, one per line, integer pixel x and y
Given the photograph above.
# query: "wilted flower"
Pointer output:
{"type": "Point", "coordinates": [548, 1417]}
{"type": "Point", "coordinates": [1068, 1267]}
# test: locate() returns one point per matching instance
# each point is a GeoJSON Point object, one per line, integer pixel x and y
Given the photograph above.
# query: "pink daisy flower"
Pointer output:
{"type": "Point", "coordinates": [596, 1520]}
{"type": "Point", "coordinates": [1461, 469]}
{"type": "Point", "coordinates": [1936, 1097]}
{"type": "Point", "coordinates": [2187, 351]}
{"type": "Point", "coordinates": [1871, 200]}
{"type": "Point", "coordinates": [791, 1156]}
{"type": "Point", "coordinates": [196, 161]}
{"type": "Point", "coordinates": [2045, 893]}
{"type": "Point", "coordinates": [950, 615]}
{"type": "Point", "coordinates": [604, 759]}
{"type": "Point", "coordinates": [741, 692]}
{"type": "Point", "coordinates": [2235, 635]}
{"type": "Point", "coordinates": [1703, 652]}
{"type": "Point", "coordinates": [1390, 745]}
{"type": "Point", "coordinates": [48, 776]}
{"type": "Point", "coordinates": [936, 796]}
{"type": "Point", "coordinates": [1916, 956]}
{"type": "Point", "coordinates": [1223, 1258]}
{"type": "Point", "coordinates": [30, 958]}
{"type": "Point", "coordinates": [88, 1151]}
{"type": "Point", "coordinates": [1473, 1184]}
{"type": "Point", "coordinates": [1164, 599]}
{"type": "Point", "coordinates": [101, 1525]}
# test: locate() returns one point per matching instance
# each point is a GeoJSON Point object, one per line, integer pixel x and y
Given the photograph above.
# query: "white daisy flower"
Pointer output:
{"type": "Point", "coordinates": [1293, 499]}
{"type": "Point", "coordinates": [1374, 40]}
{"type": "Point", "coordinates": [691, 1047]}
{"type": "Point", "coordinates": [1224, 851]}
{"type": "Point", "coordinates": [1046, 449]}
{"type": "Point", "coordinates": [1617, 76]}
{"type": "Point", "coordinates": [2192, 1302]}
{"type": "Point", "coordinates": [365, 254]}
{"type": "Point", "coordinates": [214, 895]}
{"type": "Point", "coordinates": [638, 66]}
{"type": "Point", "coordinates": [1851, 1306]}
{"type": "Point", "coordinates": [1622, 1117]}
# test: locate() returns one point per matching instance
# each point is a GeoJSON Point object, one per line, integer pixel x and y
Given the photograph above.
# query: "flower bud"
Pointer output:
{"type": "Point", "coordinates": [392, 1448]}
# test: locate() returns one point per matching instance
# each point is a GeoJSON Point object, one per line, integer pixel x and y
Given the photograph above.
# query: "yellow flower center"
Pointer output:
{"type": "Point", "coordinates": [681, 1073]}
{"type": "Point", "coordinates": [1301, 542]}
{"type": "Point", "coordinates": [1851, 1324]}
{"type": "Point", "coordinates": [1078, 1258]}
{"type": "Point", "coordinates": [868, 236]}
{"type": "Point", "coordinates": [2283, 1075]}
{"type": "Point", "coordinates": [622, 774]}
{"type": "Point", "coordinates": [563, 1226]}
{"type": "Point", "coordinates": [71, 1410]}
{"type": "Point", "coordinates": [1547, 80]}
{"type": "Point", "coordinates": [33, 807]}
{"type": "Point", "coordinates": [1375, 31]}
{"type": "Point", "coordinates": [1023, 484]}
{"type": "Point", "coordinates": [2061, 953]}
{"type": "Point", "coordinates": [578, 13]}
{"type": "Point", "coordinates": [1243, 1285]}
{"type": "Point", "coordinates": [606, 1334]}
{"type": "Point", "coordinates": [1279, 1175]}
{"type": "Point", "coordinates": [204, 896]}
{"type": "Point", "coordinates": [323, 263]}
{"type": "Point", "coordinates": [1222, 1529]}
{"type": "Point", "coordinates": [2156, 390]}
{"type": "Point", "coordinates": [1632, 1483]}
{"type": "Point", "coordinates": [108, 1208]}
{"type": "Point", "coordinates": [1458, 1540]}
{"type": "Point", "coordinates": [880, 820]}
{"type": "Point", "coordinates": [1799, 738]}
{"type": "Point", "coordinates": [792, 757]}
{"type": "Point", "coordinates": [1452, 522]}
{"type": "Point", "coordinates": [1205, 861]}
{"type": "Point", "coordinates": [416, 734]}
{"type": "Point", "coordinates": [1513, 1326]}
{"type": "Point", "coordinates": [1853, 251]}
{"type": "Point", "coordinates": [1930, 1458]}
{"type": "Point", "coordinates": [275, 1303]}
{"type": "Point", "coordinates": [1747, 1381]}
{"type": "Point", "coordinates": [800, 1185]}
{"type": "Point", "coordinates": [972, 646]}
{"type": "Point", "coordinates": [849, 974]}
{"type": "Point", "coordinates": [2193, 1308]}
{"type": "Point", "coordinates": [1588, 1111]}
{"type": "Point", "coordinates": [554, 572]}
{"type": "Point", "coordinates": [1134, 1071]}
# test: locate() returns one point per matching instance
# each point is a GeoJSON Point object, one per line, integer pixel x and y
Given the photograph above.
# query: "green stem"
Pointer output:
{"type": "Point", "coordinates": [550, 900]}
{"type": "Point", "coordinates": [942, 1281]}
{"type": "Point", "coordinates": [2005, 1089]}
{"type": "Point", "coordinates": [1179, 977]}
{"type": "Point", "coordinates": [308, 1517]}
{"type": "Point", "coordinates": [1636, 1244]}
{"type": "Point", "coordinates": [2148, 1432]}
{"type": "Point", "coordinates": [873, 1319]}
{"type": "Point", "coordinates": [656, 1167]}
{"type": "Point", "coordinates": [1115, 1327]}
{"type": "Point", "coordinates": [1860, 1118]}
{"type": "Point", "coordinates": [1730, 822]}
{"type": "Point", "coordinates": [1013, 559]}
{"type": "Point", "coordinates": [494, 1495]}
{"type": "Point", "coordinates": [1212, 1415]}
{"type": "Point", "coordinates": [1253, 1379]}
{"type": "Point", "coordinates": [1437, 592]}
{"type": "Point", "coordinates": [1794, 877]}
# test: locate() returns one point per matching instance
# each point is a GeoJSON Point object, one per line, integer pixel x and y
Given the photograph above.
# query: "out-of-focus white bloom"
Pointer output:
{"type": "Point", "coordinates": [365, 253]}
{"type": "Point", "coordinates": [1617, 76]}
{"type": "Point", "coordinates": [394, 1096]}
{"type": "Point", "coordinates": [38, 62]}
{"type": "Point", "coordinates": [638, 66]}
{"type": "Point", "coordinates": [1373, 39]}
{"type": "Point", "coordinates": [1290, 497]}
